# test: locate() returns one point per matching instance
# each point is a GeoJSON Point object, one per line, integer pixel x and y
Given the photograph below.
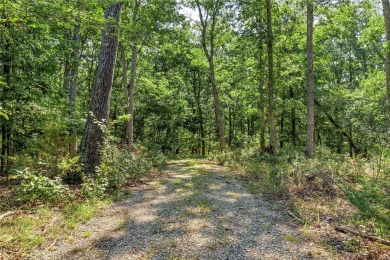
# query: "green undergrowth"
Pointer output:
{"type": "Point", "coordinates": [46, 205]}
{"type": "Point", "coordinates": [38, 228]}
{"type": "Point", "coordinates": [354, 190]}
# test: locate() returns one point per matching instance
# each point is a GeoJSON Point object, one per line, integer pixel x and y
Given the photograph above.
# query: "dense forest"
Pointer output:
{"type": "Point", "coordinates": [296, 93]}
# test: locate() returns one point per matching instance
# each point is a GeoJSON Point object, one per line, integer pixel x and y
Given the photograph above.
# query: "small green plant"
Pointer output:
{"type": "Point", "coordinates": [95, 187]}
{"type": "Point", "coordinates": [71, 170]}
{"type": "Point", "coordinates": [36, 187]}
{"type": "Point", "coordinates": [124, 165]}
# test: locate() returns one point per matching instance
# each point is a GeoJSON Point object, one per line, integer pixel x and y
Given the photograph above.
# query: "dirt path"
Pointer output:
{"type": "Point", "coordinates": [197, 211]}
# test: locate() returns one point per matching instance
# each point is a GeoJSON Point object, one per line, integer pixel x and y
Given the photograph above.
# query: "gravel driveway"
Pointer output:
{"type": "Point", "coordinates": [197, 210]}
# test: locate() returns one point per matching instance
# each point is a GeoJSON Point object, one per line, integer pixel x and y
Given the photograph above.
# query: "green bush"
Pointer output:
{"type": "Point", "coordinates": [70, 170]}
{"type": "Point", "coordinates": [157, 159]}
{"type": "Point", "coordinates": [122, 165]}
{"type": "Point", "coordinates": [36, 187]}
{"type": "Point", "coordinates": [95, 187]}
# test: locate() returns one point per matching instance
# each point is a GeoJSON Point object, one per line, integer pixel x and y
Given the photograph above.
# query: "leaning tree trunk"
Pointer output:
{"type": "Point", "coordinates": [270, 78]}
{"type": "Point", "coordinates": [209, 52]}
{"type": "Point", "coordinates": [100, 101]}
{"type": "Point", "coordinates": [310, 83]}
{"type": "Point", "coordinates": [386, 14]}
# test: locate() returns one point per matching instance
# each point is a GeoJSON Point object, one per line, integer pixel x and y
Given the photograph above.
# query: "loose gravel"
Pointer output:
{"type": "Point", "coordinates": [197, 210]}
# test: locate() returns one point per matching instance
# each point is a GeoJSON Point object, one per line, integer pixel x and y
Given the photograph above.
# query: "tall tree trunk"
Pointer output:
{"type": "Point", "coordinates": [125, 91]}
{"type": "Point", "coordinates": [281, 130]}
{"type": "Point", "coordinates": [230, 126]}
{"type": "Point", "coordinates": [293, 121]}
{"type": "Point", "coordinates": [131, 91]}
{"type": "Point", "coordinates": [217, 108]}
{"type": "Point", "coordinates": [6, 126]}
{"type": "Point", "coordinates": [100, 101]}
{"type": "Point", "coordinates": [261, 83]}
{"type": "Point", "coordinates": [74, 73]}
{"type": "Point", "coordinates": [200, 115]}
{"type": "Point", "coordinates": [310, 83]}
{"type": "Point", "coordinates": [3, 149]}
{"type": "Point", "coordinates": [386, 14]}
{"type": "Point", "coordinates": [270, 77]}
{"type": "Point", "coordinates": [210, 59]}
{"type": "Point", "coordinates": [133, 72]}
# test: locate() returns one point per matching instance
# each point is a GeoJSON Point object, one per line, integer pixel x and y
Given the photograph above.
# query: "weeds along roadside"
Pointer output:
{"type": "Point", "coordinates": [43, 205]}
{"type": "Point", "coordinates": [335, 189]}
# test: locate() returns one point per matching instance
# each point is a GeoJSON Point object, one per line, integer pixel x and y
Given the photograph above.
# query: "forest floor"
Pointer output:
{"type": "Point", "coordinates": [195, 210]}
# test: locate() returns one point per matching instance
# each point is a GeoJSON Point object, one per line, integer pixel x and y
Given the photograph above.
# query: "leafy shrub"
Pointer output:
{"type": "Point", "coordinates": [123, 165]}
{"type": "Point", "coordinates": [157, 159]}
{"type": "Point", "coordinates": [95, 187]}
{"type": "Point", "coordinates": [71, 170]}
{"type": "Point", "coordinates": [36, 187]}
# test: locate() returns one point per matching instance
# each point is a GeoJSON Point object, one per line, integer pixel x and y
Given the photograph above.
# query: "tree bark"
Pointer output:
{"type": "Point", "coordinates": [262, 100]}
{"type": "Point", "coordinates": [200, 115]}
{"type": "Point", "coordinates": [210, 59]}
{"type": "Point", "coordinates": [133, 74]}
{"type": "Point", "coordinates": [6, 150]}
{"type": "Point", "coordinates": [386, 14]}
{"type": "Point", "coordinates": [281, 130]}
{"type": "Point", "coordinates": [230, 126]}
{"type": "Point", "coordinates": [310, 83]}
{"type": "Point", "coordinates": [125, 91]}
{"type": "Point", "coordinates": [293, 121]}
{"type": "Point", "coordinates": [74, 73]}
{"type": "Point", "coordinates": [99, 109]}
{"type": "Point", "coordinates": [3, 149]}
{"type": "Point", "coordinates": [270, 78]}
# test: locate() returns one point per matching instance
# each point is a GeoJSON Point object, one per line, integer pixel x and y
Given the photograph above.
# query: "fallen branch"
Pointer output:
{"type": "Point", "coordinates": [357, 233]}
{"type": "Point", "coordinates": [295, 217]}
{"type": "Point", "coordinates": [10, 213]}
{"type": "Point", "coordinates": [49, 247]}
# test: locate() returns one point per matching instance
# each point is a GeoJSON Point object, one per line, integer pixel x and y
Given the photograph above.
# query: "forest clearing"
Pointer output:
{"type": "Point", "coordinates": [194, 129]}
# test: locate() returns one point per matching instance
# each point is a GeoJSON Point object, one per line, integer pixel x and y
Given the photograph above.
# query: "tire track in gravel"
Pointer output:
{"type": "Point", "coordinates": [197, 210]}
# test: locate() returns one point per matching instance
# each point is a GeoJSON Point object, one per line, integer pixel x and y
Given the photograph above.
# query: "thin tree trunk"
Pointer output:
{"type": "Point", "coordinates": [351, 147]}
{"type": "Point", "coordinates": [261, 84]}
{"type": "Point", "coordinates": [93, 138]}
{"type": "Point", "coordinates": [131, 91]}
{"type": "Point", "coordinates": [133, 72]}
{"type": "Point", "coordinates": [74, 73]}
{"type": "Point", "coordinates": [340, 143]}
{"type": "Point", "coordinates": [217, 108]}
{"type": "Point", "coordinates": [281, 130]}
{"type": "Point", "coordinates": [200, 115]}
{"type": "Point", "coordinates": [210, 59]}
{"type": "Point", "coordinates": [310, 83]}
{"type": "Point", "coordinates": [125, 91]}
{"type": "Point", "coordinates": [230, 127]}
{"type": "Point", "coordinates": [293, 121]}
{"type": "Point", "coordinates": [270, 78]}
{"type": "Point", "coordinates": [3, 149]}
{"type": "Point", "coordinates": [67, 62]}
{"type": "Point", "coordinates": [386, 14]}
{"type": "Point", "coordinates": [6, 126]}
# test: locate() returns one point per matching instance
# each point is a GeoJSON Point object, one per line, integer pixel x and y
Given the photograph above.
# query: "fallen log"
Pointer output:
{"type": "Point", "coordinates": [357, 233]}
